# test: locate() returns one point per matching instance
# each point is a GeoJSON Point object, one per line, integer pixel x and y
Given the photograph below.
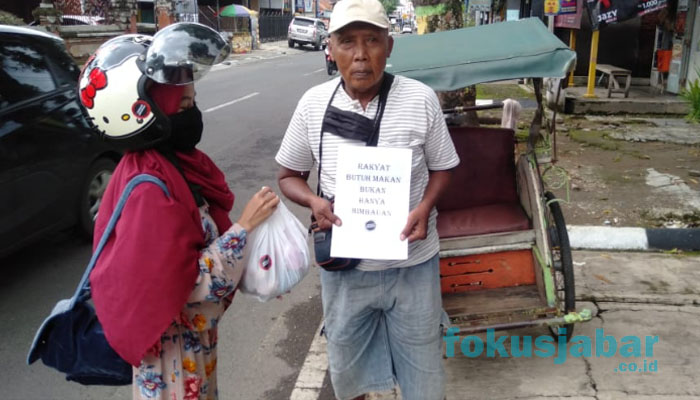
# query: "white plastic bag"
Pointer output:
{"type": "Point", "coordinates": [278, 256]}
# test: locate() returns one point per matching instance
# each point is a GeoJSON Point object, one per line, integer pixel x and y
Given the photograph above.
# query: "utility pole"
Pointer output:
{"type": "Point", "coordinates": [218, 18]}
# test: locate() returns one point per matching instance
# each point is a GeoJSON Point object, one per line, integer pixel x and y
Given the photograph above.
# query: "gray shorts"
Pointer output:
{"type": "Point", "coordinates": [383, 327]}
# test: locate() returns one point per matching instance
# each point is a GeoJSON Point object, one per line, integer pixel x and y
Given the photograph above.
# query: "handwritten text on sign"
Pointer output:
{"type": "Point", "coordinates": [372, 199]}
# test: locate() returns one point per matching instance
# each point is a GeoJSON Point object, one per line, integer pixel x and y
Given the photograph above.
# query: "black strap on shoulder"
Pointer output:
{"type": "Point", "coordinates": [196, 190]}
{"type": "Point", "coordinates": [383, 95]}
{"type": "Point", "coordinates": [387, 81]}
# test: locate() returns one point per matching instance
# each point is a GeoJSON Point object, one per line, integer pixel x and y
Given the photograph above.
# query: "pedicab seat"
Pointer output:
{"type": "Point", "coordinates": [482, 196]}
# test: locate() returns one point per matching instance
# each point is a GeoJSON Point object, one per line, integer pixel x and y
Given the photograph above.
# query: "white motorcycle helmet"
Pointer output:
{"type": "Point", "coordinates": [113, 84]}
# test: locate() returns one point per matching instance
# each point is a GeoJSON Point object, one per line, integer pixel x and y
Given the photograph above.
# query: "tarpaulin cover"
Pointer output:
{"type": "Point", "coordinates": [459, 58]}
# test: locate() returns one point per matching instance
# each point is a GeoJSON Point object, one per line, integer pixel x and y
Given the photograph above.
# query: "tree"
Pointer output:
{"type": "Point", "coordinates": [445, 15]}
{"type": "Point", "coordinates": [7, 18]}
{"type": "Point", "coordinates": [390, 5]}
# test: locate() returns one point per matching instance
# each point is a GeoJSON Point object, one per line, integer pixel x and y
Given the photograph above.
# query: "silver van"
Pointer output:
{"type": "Point", "coordinates": [303, 30]}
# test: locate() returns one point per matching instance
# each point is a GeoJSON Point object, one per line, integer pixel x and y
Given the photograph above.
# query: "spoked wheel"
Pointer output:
{"type": "Point", "coordinates": [562, 263]}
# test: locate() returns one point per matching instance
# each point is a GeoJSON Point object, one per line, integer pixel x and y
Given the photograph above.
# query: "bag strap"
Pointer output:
{"type": "Point", "coordinates": [383, 95]}
{"type": "Point", "coordinates": [83, 289]}
{"type": "Point", "coordinates": [195, 189]}
{"type": "Point", "coordinates": [374, 138]}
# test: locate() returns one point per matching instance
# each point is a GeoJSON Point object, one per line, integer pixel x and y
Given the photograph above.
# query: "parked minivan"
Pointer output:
{"type": "Point", "coordinates": [303, 30]}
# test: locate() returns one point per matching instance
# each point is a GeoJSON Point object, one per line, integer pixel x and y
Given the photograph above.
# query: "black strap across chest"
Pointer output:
{"type": "Point", "coordinates": [350, 125]}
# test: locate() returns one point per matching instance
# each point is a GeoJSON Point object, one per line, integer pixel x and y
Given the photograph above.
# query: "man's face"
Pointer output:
{"type": "Point", "coordinates": [360, 50]}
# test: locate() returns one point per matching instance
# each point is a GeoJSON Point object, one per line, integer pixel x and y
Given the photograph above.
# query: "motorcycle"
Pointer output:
{"type": "Point", "coordinates": [331, 67]}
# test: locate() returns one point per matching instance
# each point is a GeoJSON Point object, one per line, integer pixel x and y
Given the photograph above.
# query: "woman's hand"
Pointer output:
{"type": "Point", "coordinates": [258, 209]}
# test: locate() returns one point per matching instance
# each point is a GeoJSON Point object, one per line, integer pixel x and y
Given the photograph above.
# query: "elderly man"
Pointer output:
{"type": "Point", "coordinates": [382, 318]}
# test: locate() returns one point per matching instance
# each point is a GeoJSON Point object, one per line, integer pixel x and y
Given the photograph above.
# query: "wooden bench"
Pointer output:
{"type": "Point", "coordinates": [613, 72]}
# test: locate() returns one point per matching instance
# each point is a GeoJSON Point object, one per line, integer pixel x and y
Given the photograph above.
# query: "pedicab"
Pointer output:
{"type": "Point", "coordinates": [505, 258]}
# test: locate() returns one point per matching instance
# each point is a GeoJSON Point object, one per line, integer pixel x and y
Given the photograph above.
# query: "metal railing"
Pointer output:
{"type": "Point", "coordinates": [274, 27]}
{"type": "Point", "coordinates": [207, 16]}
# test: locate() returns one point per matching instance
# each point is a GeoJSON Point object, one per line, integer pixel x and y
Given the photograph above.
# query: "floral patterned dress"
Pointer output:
{"type": "Point", "coordinates": [183, 365]}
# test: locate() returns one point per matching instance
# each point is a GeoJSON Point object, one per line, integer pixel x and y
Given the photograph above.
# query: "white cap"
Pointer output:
{"type": "Point", "coordinates": [348, 11]}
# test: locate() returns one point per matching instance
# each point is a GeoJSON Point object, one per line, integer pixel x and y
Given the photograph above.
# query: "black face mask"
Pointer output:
{"type": "Point", "coordinates": [347, 124]}
{"type": "Point", "coordinates": [186, 129]}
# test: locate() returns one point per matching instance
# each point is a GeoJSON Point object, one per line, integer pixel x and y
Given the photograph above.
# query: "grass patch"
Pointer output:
{"type": "Point", "coordinates": [692, 95]}
{"type": "Point", "coordinates": [611, 176]}
{"type": "Point", "coordinates": [502, 91]}
{"type": "Point", "coordinates": [601, 140]}
{"type": "Point", "coordinates": [521, 135]}
{"type": "Point", "coordinates": [688, 220]}
{"type": "Point", "coordinates": [641, 122]}
{"type": "Point", "coordinates": [657, 286]}
{"type": "Point", "coordinates": [597, 139]}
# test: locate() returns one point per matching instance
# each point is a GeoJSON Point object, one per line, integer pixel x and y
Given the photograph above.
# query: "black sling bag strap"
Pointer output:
{"type": "Point", "coordinates": [352, 126]}
{"type": "Point", "coordinates": [334, 117]}
{"type": "Point", "coordinates": [170, 155]}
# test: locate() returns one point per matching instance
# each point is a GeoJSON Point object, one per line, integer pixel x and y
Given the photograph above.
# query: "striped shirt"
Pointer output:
{"type": "Point", "coordinates": [412, 119]}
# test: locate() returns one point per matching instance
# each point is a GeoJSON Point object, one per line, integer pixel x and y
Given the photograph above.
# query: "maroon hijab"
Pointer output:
{"type": "Point", "coordinates": [148, 268]}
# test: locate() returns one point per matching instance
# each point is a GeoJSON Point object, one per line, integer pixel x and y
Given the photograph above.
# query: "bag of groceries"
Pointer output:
{"type": "Point", "coordinates": [278, 256]}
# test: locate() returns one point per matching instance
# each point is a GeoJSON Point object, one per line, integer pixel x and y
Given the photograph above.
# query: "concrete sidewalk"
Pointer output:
{"type": "Point", "coordinates": [630, 294]}
{"type": "Point", "coordinates": [269, 50]}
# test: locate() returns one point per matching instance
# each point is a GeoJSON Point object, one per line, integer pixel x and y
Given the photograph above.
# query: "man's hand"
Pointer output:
{"type": "Point", "coordinates": [417, 226]}
{"type": "Point", "coordinates": [322, 210]}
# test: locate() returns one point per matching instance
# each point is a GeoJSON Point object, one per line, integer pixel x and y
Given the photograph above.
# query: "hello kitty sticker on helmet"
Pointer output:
{"type": "Point", "coordinates": [109, 87]}
{"type": "Point", "coordinates": [96, 81]}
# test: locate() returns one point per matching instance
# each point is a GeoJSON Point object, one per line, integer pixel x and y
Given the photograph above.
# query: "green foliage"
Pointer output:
{"type": "Point", "coordinates": [501, 91]}
{"type": "Point", "coordinates": [692, 94]}
{"type": "Point", "coordinates": [390, 5]}
{"type": "Point", "coordinates": [46, 12]}
{"type": "Point", "coordinates": [7, 18]}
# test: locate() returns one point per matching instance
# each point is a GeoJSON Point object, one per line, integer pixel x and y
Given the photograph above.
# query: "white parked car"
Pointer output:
{"type": "Point", "coordinates": [407, 28]}
{"type": "Point", "coordinates": [304, 30]}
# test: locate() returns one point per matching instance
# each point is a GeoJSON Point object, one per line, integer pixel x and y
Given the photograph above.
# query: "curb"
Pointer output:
{"type": "Point", "coordinates": [613, 238]}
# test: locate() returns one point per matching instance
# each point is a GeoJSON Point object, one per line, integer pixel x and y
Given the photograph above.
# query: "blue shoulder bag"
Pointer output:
{"type": "Point", "coordinates": [71, 339]}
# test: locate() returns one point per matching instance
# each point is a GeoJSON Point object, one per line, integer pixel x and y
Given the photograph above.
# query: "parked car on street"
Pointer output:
{"type": "Point", "coordinates": [53, 167]}
{"type": "Point", "coordinates": [303, 30]}
{"type": "Point", "coordinates": [76, 20]}
{"type": "Point", "coordinates": [407, 28]}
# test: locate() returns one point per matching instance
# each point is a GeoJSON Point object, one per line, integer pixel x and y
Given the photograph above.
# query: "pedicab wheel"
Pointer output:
{"type": "Point", "coordinates": [562, 263]}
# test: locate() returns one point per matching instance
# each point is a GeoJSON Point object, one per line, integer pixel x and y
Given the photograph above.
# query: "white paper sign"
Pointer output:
{"type": "Point", "coordinates": [372, 189]}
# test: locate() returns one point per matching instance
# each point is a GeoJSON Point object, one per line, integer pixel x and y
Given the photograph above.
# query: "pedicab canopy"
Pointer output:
{"type": "Point", "coordinates": [455, 59]}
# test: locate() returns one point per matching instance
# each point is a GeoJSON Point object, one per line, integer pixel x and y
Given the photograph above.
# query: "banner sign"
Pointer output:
{"type": "Point", "coordinates": [551, 7]}
{"type": "Point", "coordinates": [604, 12]}
{"type": "Point", "coordinates": [559, 7]}
{"type": "Point", "coordinates": [567, 7]}
{"type": "Point", "coordinates": [570, 21]}
{"type": "Point", "coordinates": [186, 6]}
{"type": "Point", "coordinates": [372, 191]}
{"type": "Point", "coordinates": [480, 5]}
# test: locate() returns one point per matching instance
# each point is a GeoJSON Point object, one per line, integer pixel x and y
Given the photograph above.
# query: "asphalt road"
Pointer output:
{"type": "Point", "coordinates": [262, 346]}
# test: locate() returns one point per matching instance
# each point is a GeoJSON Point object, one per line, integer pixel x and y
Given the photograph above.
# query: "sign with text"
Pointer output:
{"type": "Point", "coordinates": [571, 21]}
{"type": "Point", "coordinates": [480, 5]}
{"type": "Point", "coordinates": [372, 189]}
{"type": "Point", "coordinates": [559, 7]}
{"type": "Point", "coordinates": [603, 12]}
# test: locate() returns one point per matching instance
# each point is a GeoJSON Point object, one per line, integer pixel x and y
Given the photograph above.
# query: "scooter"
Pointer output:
{"type": "Point", "coordinates": [331, 66]}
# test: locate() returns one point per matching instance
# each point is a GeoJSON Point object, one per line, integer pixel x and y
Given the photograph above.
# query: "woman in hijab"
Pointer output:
{"type": "Point", "coordinates": [172, 264]}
